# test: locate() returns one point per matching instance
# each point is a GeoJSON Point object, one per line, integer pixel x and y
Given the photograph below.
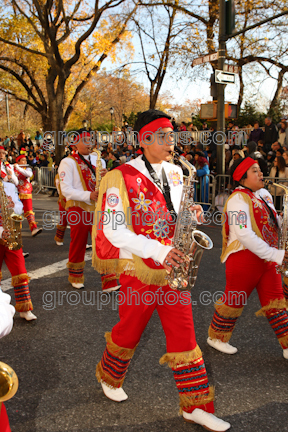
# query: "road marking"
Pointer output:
{"type": "Point", "coordinates": [43, 271]}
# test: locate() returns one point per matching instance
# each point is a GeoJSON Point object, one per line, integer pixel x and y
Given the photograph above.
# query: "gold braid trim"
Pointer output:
{"type": "Point", "coordinates": [73, 279]}
{"type": "Point", "coordinates": [62, 199]}
{"type": "Point", "coordinates": [135, 267]}
{"type": "Point", "coordinates": [274, 304]}
{"type": "Point", "coordinates": [235, 244]}
{"type": "Point", "coordinates": [16, 280]}
{"type": "Point", "coordinates": [81, 204]}
{"type": "Point", "coordinates": [285, 280]}
{"type": "Point", "coordinates": [181, 358]}
{"type": "Point", "coordinates": [107, 379]}
{"type": "Point", "coordinates": [0, 275]}
{"type": "Point", "coordinates": [25, 196]}
{"type": "Point", "coordinates": [29, 212]}
{"type": "Point", "coordinates": [188, 401]}
{"type": "Point", "coordinates": [120, 352]}
{"type": "Point", "coordinates": [224, 337]}
{"type": "Point", "coordinates": [283, 341]}
{"type": "Point", "coordinates": [75, 266]}
{"type": "Point", "coordinates": [24, 307]}
{"type": "Point", "coordinates": [228, 311]}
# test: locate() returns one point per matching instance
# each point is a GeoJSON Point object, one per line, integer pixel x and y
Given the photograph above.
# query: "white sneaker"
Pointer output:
{"type": "Point", "coordinates": [29, 316]}
{"type": "Point", "coordinates": [115, 394]}
{"type": "Point", "coordinates": [109, 290]}
{"type": "Point", "coordinates": [224, 347]}
{"type": "Point", "coordinates": [77, 285]}
{"type": "Point", "coordinates": [36, 231]}
{"type": "Point", "coordinates": [25, 254]}
{"type": "Point", "coordinates": [59, 243]}
{"type": "Point", "coordinates": [207, 420]}
{"type": "Point", "coordinates": [285, 353]}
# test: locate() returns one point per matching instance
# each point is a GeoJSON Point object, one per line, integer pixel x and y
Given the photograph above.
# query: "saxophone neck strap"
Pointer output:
{"type": "Point", "coordinates": [88, 163]}
{"type": "Point", "coordinates": [165, 189]}
{"type": "Point", "coordinates": [272, 216]}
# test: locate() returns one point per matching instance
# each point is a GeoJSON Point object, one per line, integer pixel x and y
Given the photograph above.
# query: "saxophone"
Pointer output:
{"type": "Point", "coordinates": [283, 231]}
{"type": "Point", "coordinates": [187, 238]}
{"type": "Point", "coordinates": [98, 169]}
{"type": "Point", "coordinates": [11, 222]}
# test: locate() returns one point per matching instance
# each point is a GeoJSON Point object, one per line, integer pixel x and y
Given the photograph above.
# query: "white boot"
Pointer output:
{"type": "Point", "coordinates": [29, 316]}
{"type": "Point", "coordinates": [77, 285]}
{"type": "Point", "coordinates": [59, 243]}
{"type": "Point", "coordinates": [115, 394]}
{"type": "Point", "coordinates": [224, 347]}
{"type": "Point", "coordinates": [285, 353]}
{"type": "Point", "coordinates": [109, 290]}
{"type": "Point", "coordinates": [207, 420]}
{"type": "Point", "coordinates": [36, 231]}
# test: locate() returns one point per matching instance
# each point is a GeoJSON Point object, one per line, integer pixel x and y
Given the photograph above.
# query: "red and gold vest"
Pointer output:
{"type": "Point", "coordinates": [261, 222]}
{"type": "Point", "coordinates": [145, 213]}
{"type": "Point", "coordinates": [24, 186]}
{"type": "Point", "coordinates": [87, 180]}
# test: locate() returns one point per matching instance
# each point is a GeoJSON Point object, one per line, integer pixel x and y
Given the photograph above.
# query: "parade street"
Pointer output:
{"type": "Point", "coordinates": [55, 356]}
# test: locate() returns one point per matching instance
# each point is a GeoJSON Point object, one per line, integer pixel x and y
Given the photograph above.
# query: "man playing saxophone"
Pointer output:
{"type": "Point", "coordinates": [139, 249]}
{"type": "Point", "coordinates": [14, 258]}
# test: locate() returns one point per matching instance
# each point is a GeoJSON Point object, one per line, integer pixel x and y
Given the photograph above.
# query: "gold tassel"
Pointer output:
{"type": "Point", "coordinates": [29, 212]}
{"type": "Point", "coordinates": [224, 337]}
{"type": "Point", "coordinates": [25, 196]}
{"type": "Point", "coordinates": [0, 275]}
{"type": "Point", "coordinates": [181, 358]}
{"type": "Point", "coordinates": [81, 204]}
{"type": "Point", "coordinates": [283, 341]}
{"type": "Point", "coordinates": [73, 279]}
{"type": "Point", "coordinates": [120, 352]}
{"type": "Point", "coordinates": [24, 307]}
{"type": "Point", "coordinates": [75, 266]}
{"type": "Point", "coordinates": [188, 401]}
{"type": "Point", "coordinates": [279, 304]}
{"type": "Point", "coordinates": [228, 311]}
{"type": "Point", "coordinates": [17, 280]}
{"type": "Point", "coordinates": [285, 280]}
{"type": "Point", "coordinates": [103, 376]}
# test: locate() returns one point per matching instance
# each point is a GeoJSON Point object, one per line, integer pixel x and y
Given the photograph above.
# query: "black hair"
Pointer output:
{"type": "Point", "coordinates": [147, 117]}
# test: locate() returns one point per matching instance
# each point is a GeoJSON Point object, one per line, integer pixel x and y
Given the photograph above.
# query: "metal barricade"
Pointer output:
{"type": "Point", "coordinates": [36, 180]}
{"type": "Point", "coordinates": [46, 179]}
{"type": "Point", "coordinates": [222, 189]}
{"type": "Point", "coordinates": [277, 193]}
{"type": "Point", "coordinates": [204, 191]}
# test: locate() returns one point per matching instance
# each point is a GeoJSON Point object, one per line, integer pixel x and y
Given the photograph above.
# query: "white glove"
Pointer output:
{"type": "Point", "coordinates": [7, 312]}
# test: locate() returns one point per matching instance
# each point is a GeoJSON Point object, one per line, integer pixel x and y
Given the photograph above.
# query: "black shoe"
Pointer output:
{"type": "Point", "coordinates": [25, 254]}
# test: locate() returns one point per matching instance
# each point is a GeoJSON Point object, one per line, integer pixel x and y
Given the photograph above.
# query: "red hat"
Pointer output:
{"type": "Point", "coordinates": [243, 167]}
{"type": "Point", "coordinates": [2, 148]}
{"type": "Point", "coordinates": [150, 128]}
{"type": "Point", "coordinates": [21, 156]}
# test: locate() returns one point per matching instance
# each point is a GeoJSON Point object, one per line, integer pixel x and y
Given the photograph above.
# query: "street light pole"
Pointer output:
{"type": "Point", "coordinates": [221, 92]}
{"type": "Point", "coordinates": [7, 112]}
{"type": "Point", "coordinates": [111, 112]}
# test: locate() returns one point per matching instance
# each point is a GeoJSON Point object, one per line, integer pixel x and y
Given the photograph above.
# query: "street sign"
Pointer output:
{"type": "Point", "coordinates": [205, 59]}
{"type": "Point", "coordinates": [222, 77]}
{"type": "Point", "coordinates": [231, 68]}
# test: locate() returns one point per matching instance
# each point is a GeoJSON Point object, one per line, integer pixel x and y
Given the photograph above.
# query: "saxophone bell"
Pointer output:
{"type": "Point", "coordinates": [8, 382]}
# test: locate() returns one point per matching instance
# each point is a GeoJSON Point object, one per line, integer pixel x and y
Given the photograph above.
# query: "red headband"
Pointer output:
{"type": "Point", "coordinates": [243, 168]}
{"type": "Point", "coordinates": [21, 156]}
{"type": "Point", "coordinates": [152, 127]}
{"type": "Point", "coordinates": [2, 148]}
{"type": "Point", "coordinates": [79, 136]}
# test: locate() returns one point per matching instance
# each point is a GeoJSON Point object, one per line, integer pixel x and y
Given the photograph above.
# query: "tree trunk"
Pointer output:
{"type": "Point", "coordinates": [241, 91]}
{"type": "Point", "coordinates": [276, 99]}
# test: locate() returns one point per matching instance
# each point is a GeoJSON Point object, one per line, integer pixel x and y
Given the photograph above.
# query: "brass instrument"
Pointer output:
{"type": "Point", "coordinates": [8, 382]}
{"type": "Point", "coordinates": [11, 222]}
{"type": "Point", "coordinates": [187, 238]}
{"type": "Point", "coordinates": [98, 169]}
{"type": "Point", "coordinates": [283, 231]}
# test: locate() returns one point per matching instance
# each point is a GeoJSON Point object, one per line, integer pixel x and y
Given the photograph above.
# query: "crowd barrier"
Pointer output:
{"type": "Point", "coordinates": [44, 178]}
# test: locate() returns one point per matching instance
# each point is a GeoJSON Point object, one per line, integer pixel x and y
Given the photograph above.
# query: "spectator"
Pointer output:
{"type": "Point", "coordinates": [275, 146]}
{"type": "Point", "coordinates": [20, 139]}
{"type": "Point", "coordinates": [202, 167]}
{"type": "Point", "coordinates": [183, 127]}
{"type": "Point", "coordinates": [285, 156]}
{"type": "Point", "coordinates": [256, 134]}
{"type": "Point", "coordinates": [279, 170]}
{"type": "Point", "coordinates": [236, 154]}
{"type": "Point", "coordinates": [270, 159]}
{"type": "Point", "coordinates": [6, 142]}
{"type": "Point", "coordinates": [122, 160]}
{"type": "Point", "coordinates": [270, 134]}
{"type": "Point", "coordinates": [260, 148]}
{"type": "Point", "coordinates": [280, 152]}
{"type": "Point", "coordinates": [115, 160]}
{"type": "Point", "coordinates": [282, 136]}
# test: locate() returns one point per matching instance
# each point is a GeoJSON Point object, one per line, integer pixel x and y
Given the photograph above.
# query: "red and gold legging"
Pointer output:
{"type": "Point", "coordinates": [244, 272]}
{"type": "Point", "coordinates": [28, 213]}
{"type": "Point", "coordinates": [136, 306]}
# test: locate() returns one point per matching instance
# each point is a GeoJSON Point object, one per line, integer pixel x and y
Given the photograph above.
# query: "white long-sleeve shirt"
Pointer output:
{"type": "Point", "coordinates": [11, 190]}
{"type": "Point", "coordinates": [130, 243]}
{"type": "Point", "coordinates": [71, 186]}
{"type": "Point", "coordinates": [7, 312]}
{"type": "Point", "coordinates": [245, 234]}
{"type": "Point", "coordinates": [27, 172]}
{"type": "Point", "coordinates": [14, 178]}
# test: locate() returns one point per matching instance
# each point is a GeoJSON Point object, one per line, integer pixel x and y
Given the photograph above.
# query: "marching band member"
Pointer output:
{"type": "Point", "coordinates": [25, 192]}
{"type": "Point", "coordinates": [7, 172]}
{"type": "Point", "coordinates": [7, 312]}
{"type": "Point", "coordinates": [250, 253]}
{"type": "Point", "coordinates": [77, 184]}
{"type": "Point", "coordinates": [15, 261]}
{"type": "Point", "coordinates": [141, 253]}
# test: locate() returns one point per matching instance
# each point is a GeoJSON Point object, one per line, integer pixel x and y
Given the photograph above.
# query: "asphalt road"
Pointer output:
{"type": "Point", "coordinates": [55, 356]}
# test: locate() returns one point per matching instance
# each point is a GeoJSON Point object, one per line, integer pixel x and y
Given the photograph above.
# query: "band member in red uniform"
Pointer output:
{"type": "Point", "coordinates": [14, 260]}
{"type": "Point", "coordinates": [77, 184]}
{"type": "Point", "coordinates": [7, 172]}
{"type": "Point", "coordinates": [251, 254]}
{"type": "Point", "coordinates": [138, 247]}
{"type": "Point", "coordinates": [25, 192]}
